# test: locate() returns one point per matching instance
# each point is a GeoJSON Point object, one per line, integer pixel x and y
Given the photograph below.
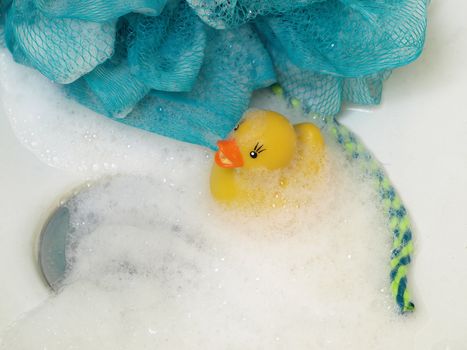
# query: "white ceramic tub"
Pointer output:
{"type": "Point", "coordinates": [419, 133]}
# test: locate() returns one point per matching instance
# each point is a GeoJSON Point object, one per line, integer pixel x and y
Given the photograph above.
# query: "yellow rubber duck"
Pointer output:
{"type": "Point", "coordinates": [264, 153]}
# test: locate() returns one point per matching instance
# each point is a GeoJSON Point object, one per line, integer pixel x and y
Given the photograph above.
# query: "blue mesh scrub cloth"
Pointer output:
{"type": "Point", "coordinates": [186, 69]}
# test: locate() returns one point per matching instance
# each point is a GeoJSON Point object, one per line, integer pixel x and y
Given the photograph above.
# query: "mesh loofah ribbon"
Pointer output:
{"type": "Point", "coordinates": [398, 218]}
{"type": "Point", "coordinates": [186, 69]}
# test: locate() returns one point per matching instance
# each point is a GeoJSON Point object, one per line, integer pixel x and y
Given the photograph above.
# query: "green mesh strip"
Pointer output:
{"type": "Point", "coordinates": [398, 219]}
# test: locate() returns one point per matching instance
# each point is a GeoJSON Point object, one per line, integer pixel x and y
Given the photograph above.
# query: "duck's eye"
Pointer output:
{"type": "Point", "coordinates": [257, 150]}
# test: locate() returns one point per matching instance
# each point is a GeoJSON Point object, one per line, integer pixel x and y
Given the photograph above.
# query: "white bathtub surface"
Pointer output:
{"type": "Point", "coordinates": [419, 134]}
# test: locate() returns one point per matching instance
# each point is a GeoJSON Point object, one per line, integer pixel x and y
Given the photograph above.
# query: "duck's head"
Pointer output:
{"type": "Point", "coordinates": [263, 139]}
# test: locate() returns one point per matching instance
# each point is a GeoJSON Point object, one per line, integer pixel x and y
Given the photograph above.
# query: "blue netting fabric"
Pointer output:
{"type": "Point", "coordinates": [186, 69]}
{"type": "Point", "coordinates": [227, 14]}
{"type": "Point", "coordinates": [60, 48]}
{"type": "Point", "coordinates": [235, 65]}
{"type": "Point", "coordinates": [98, 10]}
{"type": "Point", "coordinates": [166, 52]}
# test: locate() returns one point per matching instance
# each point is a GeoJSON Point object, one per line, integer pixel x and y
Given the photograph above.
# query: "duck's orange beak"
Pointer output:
{"type": "Point", "coordinates": [228, 155]}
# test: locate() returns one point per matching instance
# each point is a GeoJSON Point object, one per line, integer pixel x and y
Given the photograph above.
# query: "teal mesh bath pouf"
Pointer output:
{"type": "Point", "coordinates": [123, 56]}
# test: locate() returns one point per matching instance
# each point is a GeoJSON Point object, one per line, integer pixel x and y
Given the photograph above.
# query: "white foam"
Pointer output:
{"type": "Point", "coordinates": [64, 134]}
{"type": "Point", "coordinates": [158, 265]}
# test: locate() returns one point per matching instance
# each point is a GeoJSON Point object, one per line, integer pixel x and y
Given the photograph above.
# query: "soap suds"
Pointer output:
{"type": "Point", "coordinates": [64, 134]}
{"type": "Point", "coordinates": [157, 264]}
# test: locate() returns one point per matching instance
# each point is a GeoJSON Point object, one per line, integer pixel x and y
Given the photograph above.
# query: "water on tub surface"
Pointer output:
{"type": "Point", "coordinates": [158, 265]}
